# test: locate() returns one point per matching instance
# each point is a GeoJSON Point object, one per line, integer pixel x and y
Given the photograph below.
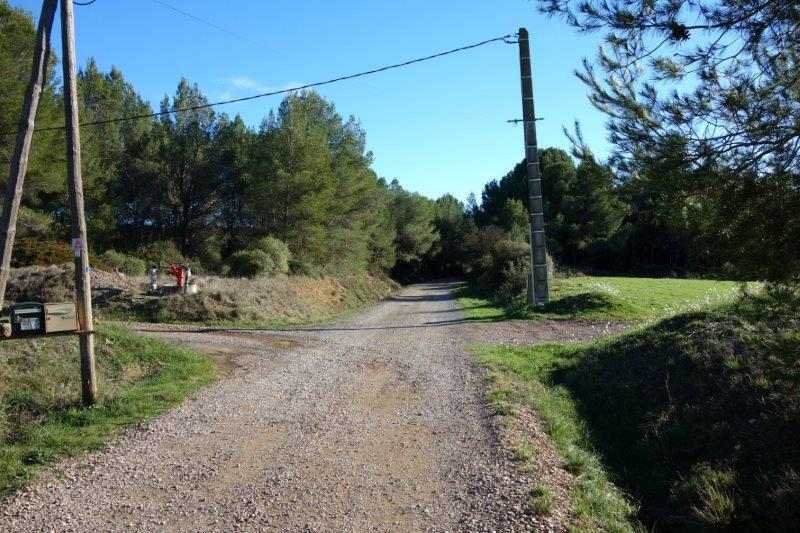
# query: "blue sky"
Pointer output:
{"type": "Point", "coordinates": [438, 126]}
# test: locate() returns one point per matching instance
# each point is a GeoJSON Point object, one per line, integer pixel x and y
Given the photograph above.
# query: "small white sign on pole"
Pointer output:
{"type": "Point", "coordinates": [77, 246]}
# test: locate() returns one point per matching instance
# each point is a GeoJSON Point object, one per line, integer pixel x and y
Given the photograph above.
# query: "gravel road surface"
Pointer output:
{"type": "Point", "coordinates": [372, 424]}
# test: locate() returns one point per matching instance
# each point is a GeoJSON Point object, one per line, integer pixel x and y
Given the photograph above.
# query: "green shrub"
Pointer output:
{"type": "Point", "coordinates": [161, 254]}
{"type": "Point", "coordinates": [277, 251]}
{"type": "Point", "coordinates": [267, 257]}
{"type": "Point", "coordinates": [507, 250]}
{"type": "Point", "coordinates": [250, 263]}
{"type": "Point", "coordinates": [303, 268]}
{"type": "Point", "coordinates": [34, 224]}
{"type": "Point", "coordinates": [209, 254]}
{"type": "Point", "coordinates": [126, 264]}
{"type": "Point", "coordinates": [500, 266]}
{"type": "Point", "coordinates": [513, 285]}
{"type": "Point", "coordinates": [501, 269]}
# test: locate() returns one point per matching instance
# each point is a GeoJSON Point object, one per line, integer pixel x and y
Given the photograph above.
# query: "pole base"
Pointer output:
{"type": "Point", "coordinates": [532, 300]}
{"type": "Point", "coordinates": [531, 292]}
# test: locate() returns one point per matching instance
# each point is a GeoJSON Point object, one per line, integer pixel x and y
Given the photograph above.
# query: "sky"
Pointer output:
{"type": "Point", "coordinates": [439, 126]}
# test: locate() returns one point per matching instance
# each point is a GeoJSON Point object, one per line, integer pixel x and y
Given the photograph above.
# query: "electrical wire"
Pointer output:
{"type": "Point", "coordinates": [90, 2]}
{"type": "Point", "coordinates": [502, 38]}
{"type": "Point", "coordinates": [206, 22]}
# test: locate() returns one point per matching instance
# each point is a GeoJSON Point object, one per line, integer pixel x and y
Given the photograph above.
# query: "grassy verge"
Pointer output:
{"type": "Point", "coordinates": [520, 377]}
{"type": "Point", "coordinates": [608, 298]}
{"type": "Point", "coordinates": [41, 419]}
{"type": "Point", "coordinates": [696, 417]}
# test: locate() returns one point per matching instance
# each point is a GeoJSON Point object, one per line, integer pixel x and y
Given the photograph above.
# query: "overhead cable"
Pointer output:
{"type": "Point", "coordinates": [127, 118]}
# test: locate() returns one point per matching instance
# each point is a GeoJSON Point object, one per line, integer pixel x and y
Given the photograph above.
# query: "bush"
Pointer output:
{"type": "Point", "coordinates": [513, 285]}
{"type": "Point", "coordinates": [500, 266]}
{"type": "Point", "coordinates": [209, 254]}
{"type": "Point", "coordinates": [161, 254]}
{"type": "Point", "coordinates": [508, 250]}
{"type": "Point", "coordinates": [251, 263]}
{"type": "Point", "coordinates": [29, 251]}
{"type": "Point", "coordinates": [34, 224]}
{"type": "Point", "coordinates": [277, 251]}
{"type": "Point", "coordinates": [302, 268]}
{"type": "Point", "coordinates": [502, 270]}
{"type": "Point", "coordinates": [126, 264]}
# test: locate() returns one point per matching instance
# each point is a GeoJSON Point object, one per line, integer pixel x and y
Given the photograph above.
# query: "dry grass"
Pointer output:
{"type": "Point", "coordinates": [57, 283]}
{"type": "Point", "coordinates": [277, 300]}
{"type": "Point", "coordinates": [285, 299]}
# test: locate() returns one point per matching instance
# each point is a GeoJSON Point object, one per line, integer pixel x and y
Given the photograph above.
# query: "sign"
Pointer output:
{"type": "Point", "coordinates": [60, 317]}
{"type": "Point", "coordinates": [77, 246]}
{"type": "Point", "coordinates": [33, 323]}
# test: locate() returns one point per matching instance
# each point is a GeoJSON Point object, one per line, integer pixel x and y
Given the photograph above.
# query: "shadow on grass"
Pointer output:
{"type": "Point", "coordinates": [588, 303]}
{"type": "Point", "coordinates": [578, 304]}
{"type": "Point", "coordinates": [697, 417]}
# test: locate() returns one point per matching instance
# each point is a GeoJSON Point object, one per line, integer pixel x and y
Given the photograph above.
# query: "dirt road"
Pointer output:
{"type": "Point", "coordinates": [373, 424]}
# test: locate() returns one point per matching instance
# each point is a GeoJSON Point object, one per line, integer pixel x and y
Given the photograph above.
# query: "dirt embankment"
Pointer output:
{"type": "Point", "coordinates": [283, 299]}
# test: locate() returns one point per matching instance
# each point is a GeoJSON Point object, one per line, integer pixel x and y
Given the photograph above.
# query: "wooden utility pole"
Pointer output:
{"type": "Point", "coordinates": [538, 292]}
{"type": "Point", "coordinates": [19, 162]}
{"type": "Point", "coordinates": [80, 245]}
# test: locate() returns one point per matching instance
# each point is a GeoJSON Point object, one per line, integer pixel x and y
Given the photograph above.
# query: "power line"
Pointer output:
{"type": "Point", "coordinates": [503, 38]}
{"type": "Point", "coordinates": [90, 2]}
{"type": "Point", "coordinates": [206, 22]}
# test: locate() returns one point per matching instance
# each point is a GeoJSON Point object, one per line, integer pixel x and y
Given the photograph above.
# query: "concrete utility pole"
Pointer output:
{"type": "Point", "coordinates": [538, 292]}
{"type": "Point", "coordinates": [80, 245]}
{"type": "Point", "coordinates": [19, 162]}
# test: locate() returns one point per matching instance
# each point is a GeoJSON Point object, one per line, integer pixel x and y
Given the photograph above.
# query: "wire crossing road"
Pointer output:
{"type": "Point", "coordinates": [373, 424]}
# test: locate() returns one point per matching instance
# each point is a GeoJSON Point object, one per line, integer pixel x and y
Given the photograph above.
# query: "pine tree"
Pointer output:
{"type": "Point", "coordinates": [724, 75]}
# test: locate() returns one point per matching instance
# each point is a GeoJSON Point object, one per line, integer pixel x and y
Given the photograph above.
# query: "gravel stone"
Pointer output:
{"type": "Point", "coordinates": [376, 423]}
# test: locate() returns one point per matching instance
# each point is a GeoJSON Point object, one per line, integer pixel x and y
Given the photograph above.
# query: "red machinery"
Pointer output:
{"type": "Point", "coordinates": [180, 274]}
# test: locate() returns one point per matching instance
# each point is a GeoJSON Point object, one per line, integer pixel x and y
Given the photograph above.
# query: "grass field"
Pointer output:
{"type": "Point", "coordinates": [695, 417]}
{"type": "Point", "coordinates": [41, 418]}
{"type": "Point", "coordinates": [609, 298]}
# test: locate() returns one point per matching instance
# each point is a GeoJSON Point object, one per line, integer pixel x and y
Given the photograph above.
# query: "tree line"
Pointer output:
{"type": "Point", "coordinates": [298, 193]}
{"type": "Point", "coordinates": [702, 100]}
{"type": "Point", "coordinates": [201, 186]}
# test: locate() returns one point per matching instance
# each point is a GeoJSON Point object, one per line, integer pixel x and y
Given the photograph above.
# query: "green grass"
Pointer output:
{"type": "Point", "coordinates": [608, 298]}
{"type": "Point", "coordinates": [41, 418]}
{"type": "Point", "coordinates": [695, 417]}
{"type": "Point", "coordinates": [520, 378]}
{"type": "Point", "coordinates": [541, 500]}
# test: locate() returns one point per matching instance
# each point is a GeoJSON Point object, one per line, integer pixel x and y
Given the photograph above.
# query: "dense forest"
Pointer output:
{"type": "Point", "coordinates": [298, 194]}
{"type": "Point", "coordinates": [203, 187]}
